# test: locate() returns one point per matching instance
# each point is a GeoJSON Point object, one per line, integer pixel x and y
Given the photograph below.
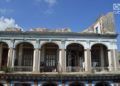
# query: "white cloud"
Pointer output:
{"type": "Point", "coordinates": [4, 11]}
{"type": "Point", "coordinates": [51, 2]}
{"type": "Point", "coordinates": [7, 23]}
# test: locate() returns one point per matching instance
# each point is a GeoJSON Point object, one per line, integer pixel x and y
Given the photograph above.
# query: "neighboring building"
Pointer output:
{"type": "Point", "coordinates": [42, 57]}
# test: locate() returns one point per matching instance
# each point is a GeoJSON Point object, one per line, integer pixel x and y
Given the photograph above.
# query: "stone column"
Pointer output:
{"type": "Point", "coordinates": [86, 60]}
{"type": "Point", "coordinates": [62, 60]}
{"type": "Point", "coordinates": [14, 56]}
{"type": "Point", "coordinates": [0, 54]}
{"type": "Point", "coordinates": [87, 56]}
{"type": "Point", "coordinates": [36, 60]}
{"type": "Point", "coordinates": [115, 59]}
{"type": "Point", "coordinates": [10, 57]}
{"type": "Point", "coordinates": [110, 60]}
{"type": "Point", "coordinates": [62, 57]}
{"type": "Point", "coordinates": [89, 60]}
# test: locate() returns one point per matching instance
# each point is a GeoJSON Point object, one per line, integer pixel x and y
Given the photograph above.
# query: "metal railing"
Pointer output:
{"type": "Point", "coordinates": [100, 69]}
{"type": "Point", "coordinates": [23, 68]}
{"type": "Point", "coordinates": [55, 69]}
{"type": "Point", "coordinates": [48, 69]}
{"type": "Point", "coordinates": [74, 69]}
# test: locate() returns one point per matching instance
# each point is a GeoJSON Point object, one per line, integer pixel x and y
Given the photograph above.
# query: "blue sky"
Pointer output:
{"type": "Point", "coordinates": [52, 14]}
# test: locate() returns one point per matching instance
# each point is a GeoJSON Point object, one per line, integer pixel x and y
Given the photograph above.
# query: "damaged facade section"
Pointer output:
{"type": "Point", "coordinates": [103, 25]}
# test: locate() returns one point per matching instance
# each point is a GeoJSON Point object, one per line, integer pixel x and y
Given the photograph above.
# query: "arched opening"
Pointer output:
{"type": "Point", "coordinates": [75, 58]}
{"type": "Point", "coordinates": [102, 84]}
{"type": "Point", "coordinates": [22, 84]}
{"type": "Point", "coordinates": [49, 84]}
{"type": "Point", "coordinates": [3, 55]}
{"type": "Point", "coordinates": [24, 57]}
{"type": "Point", "coordinates": [49, 57]}
{"type": "Point", "coordinates": [77, 84]}
{"type": "Point", "coordinates": [99, 56]}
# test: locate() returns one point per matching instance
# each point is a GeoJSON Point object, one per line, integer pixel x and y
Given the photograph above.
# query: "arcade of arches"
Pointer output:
{"type": "Point", "coordinates": [49, 57]}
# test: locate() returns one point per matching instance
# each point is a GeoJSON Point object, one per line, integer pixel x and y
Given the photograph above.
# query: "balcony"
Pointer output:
{"type": "Point", "coordinates": [74, 69]}
{"type": "Point", "coordinates": [100, 69]}
{"type": "Point", "coordinates": [48, 69]}
{"type": "Point", "coordinates": [22, 68]}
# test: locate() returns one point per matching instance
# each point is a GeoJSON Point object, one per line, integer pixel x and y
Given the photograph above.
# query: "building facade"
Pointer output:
{"type": "Point", "coordinates": [42, 57]}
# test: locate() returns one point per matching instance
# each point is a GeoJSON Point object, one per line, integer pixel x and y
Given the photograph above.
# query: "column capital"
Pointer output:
{"type": "Point", "coordinates": [62, 44]}
{"type": "Point", "coordinates": [12, 48]}
{"type": "Point", "coordinates": [37, 44]}
{"type": "Point", "coordinates": [37, 48]}
{"type": "Point", "coordinates": [63, 40]}
{"type": "Point", "coordinates": [87, 49]}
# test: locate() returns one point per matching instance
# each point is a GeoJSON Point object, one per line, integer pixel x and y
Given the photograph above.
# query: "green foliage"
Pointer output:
{"type": "Point", "coordinates": [6, 69]}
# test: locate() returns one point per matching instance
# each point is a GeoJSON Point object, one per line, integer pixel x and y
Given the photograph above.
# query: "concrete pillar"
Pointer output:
{"type": "Point", "coordinates": [60, 61]}
{"type": "Point", "coordinates": [87, 56]}
{"type": "Point", "coordinates": [86, 60]}
{"type": "Point", "coordinates": [36, 60]}
{"type": "Point", "coordinates": [110, 60]}
{"type": "Point", "coordinates": [62, 57]}
{"type": "Point", "coordinates": [13, 59]}
{"type": "Point", "coordinates": [0, 54]}
{"type": "Point", "coordinates": [115, 59]}
{"type": "Point", "coordinates": [63, 60]}
{"type": "Point", "coordinates": [10, 57]}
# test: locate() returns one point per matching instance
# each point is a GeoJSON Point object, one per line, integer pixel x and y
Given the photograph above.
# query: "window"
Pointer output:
{"type": "Point", "coordinates": [97, 31]}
